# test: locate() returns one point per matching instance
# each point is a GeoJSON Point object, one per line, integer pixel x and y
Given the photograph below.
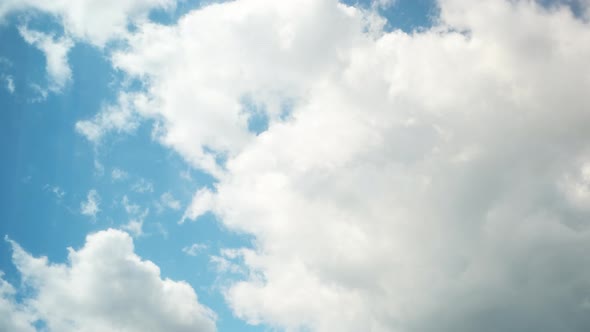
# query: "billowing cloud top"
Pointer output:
{"type": "Point", "coordinates": [429, 181]}
{"type": "Point", "coordinates": [104, 287]}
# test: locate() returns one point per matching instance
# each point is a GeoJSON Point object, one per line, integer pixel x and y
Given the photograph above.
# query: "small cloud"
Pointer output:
{"type": "Point", "coordinates": [143, 186]}
{"type": "Point", "coordinates": [90, 207]}
{"type": "Point", "coordinates": [98, 168]}
{"type": "Point", "coordinates": [134, 227]}
{"type": "Point", "coordinates": [130, 208]}
{"type": "Point", "coordinates": [383, 4]}
{"type": "Point", "coordinates": [224, 265]}
{"type": "Point", "coordinates": [56, 190]}
{"type": "Point", "coordinates": [41, 94]}
{"type": "Point", "coordinates": [119, 117]}
{"type": "Point", "coordinates": [167, 200]}
{"type": "Point", "coordinates": [118, 174]}
{"type": "Point", "coordinates": [186, 175]}
{"type": "Point", "coordinates": [9, 83]}
{"type": "Point", "coordinates": [203, 201]}
{"type": "Point", "coordinates": [56, 55]}
{"type": "Point", "coordinates": [226, 261]}
{"type": "Point", "coordinates": [194, 249]}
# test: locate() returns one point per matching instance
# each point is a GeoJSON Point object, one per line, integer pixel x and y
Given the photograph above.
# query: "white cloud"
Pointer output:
{"type": "Point", "coordinates": [137, 214]}
{"type": "Point", "coordinates": [94, 21]}
{"type": "Point", "coordinates": [143, 186]}
{"type": "Point", "coordinates": [41, 94]}
{"type": "Point", "coordinates": [194, 249]}
{"type": "Point", "coordinates": [383, 4]}
{"type": "Point", "coordinates": [233, 67]}
{"type": "Point", "coordinates": [9, 83]}
{"type": "Point", "coordinates": [98, 168]}
{"type": "Point", "coordinates": [129, 207]}
{"type": "Point", "coordinates": [13, 317]}
{"type": "Point", "coordinates": [105, 286]}
{"type": "Point", "coordinates": [90, 207]}
{"type": "Point", "coordinates": [201, 203]}
{"type": "Point", "coordinates": [56, 55]}
{"type": "Point", "coordinates": [118, 174]}
{"type": "Point", "coordinates": [167, 200]}
{"type": "Point", "coordinates": [134, 227]}
{"type": "Point", "coordinates": [417, 183]}
{"type": "Point", "coordinates": [119, 118]}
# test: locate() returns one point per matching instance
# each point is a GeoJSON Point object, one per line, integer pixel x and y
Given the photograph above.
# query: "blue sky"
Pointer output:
{"type": "Point", "coordinates": [301, 190]}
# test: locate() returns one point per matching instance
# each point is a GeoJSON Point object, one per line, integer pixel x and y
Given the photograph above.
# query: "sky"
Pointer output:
{"type": "Point", "coordinates": [312, 165]}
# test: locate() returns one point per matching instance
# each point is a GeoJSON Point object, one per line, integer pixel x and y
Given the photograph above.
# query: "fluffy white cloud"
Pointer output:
{"type": "Point", "coordinates": [105, 286]}
{"type": "Point", "coordinates": [119, 118]}
{"type": "Point", "coordinates": [432, 181]}
{"type": "Point", "coordinates": [94, 21]}
{"type": "Point", "coordinates": [13, 317]}
{"type": "Point", "coordinates": [90, 207]}
{"type": "Point", "coordinates": [262, 53]}
{"type": "Point", "coordinates": [56, 56]}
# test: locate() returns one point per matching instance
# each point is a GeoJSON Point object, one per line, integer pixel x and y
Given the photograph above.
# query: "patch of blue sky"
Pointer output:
{"type": "Point", "coordinates": [257, 115]}
{"type": "Point", "coordinates": [576, 6]}
{"type": "Point", "coordinates": [170, 16]}
{"type": "Point", "coordinates": [405, 15]}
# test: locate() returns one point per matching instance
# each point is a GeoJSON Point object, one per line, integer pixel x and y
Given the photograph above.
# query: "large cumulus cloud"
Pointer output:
{"type": "Point", "coordinates": [431, 181]}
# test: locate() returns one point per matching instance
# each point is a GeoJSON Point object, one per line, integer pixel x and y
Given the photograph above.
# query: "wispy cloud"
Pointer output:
{"type": "Point", "coordinates": [9, 83]}
{"type": "Point", "coordinates": [194, 249]}
{"type": "Point", "coordinates": [137, 216]}
{"type": "Point", "coordinates": [90, 207]}
{"type": "Point", "coordinates": [56, 190]}
{"type": "Point", "coordinates": [143, 186]}
{"type": "Point", "coordinates": [167, 200]}
{"type": "Point", "coordinates": [118, 174]}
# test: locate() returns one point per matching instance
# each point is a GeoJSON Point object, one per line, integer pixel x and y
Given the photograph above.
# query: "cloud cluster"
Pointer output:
{"type": "Point", "coordinates": [432, 181]}
{"type": "Point", "coordinates": [93, 21]}
{"type": "Point", "coordinates": [104, 286]}
{"type": "Point", "coordinates": [96, 22]}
